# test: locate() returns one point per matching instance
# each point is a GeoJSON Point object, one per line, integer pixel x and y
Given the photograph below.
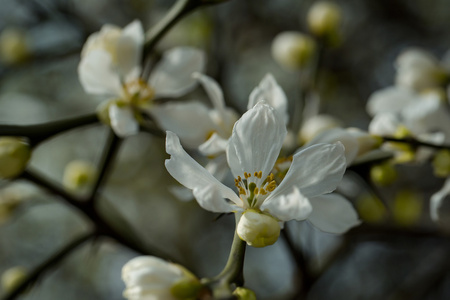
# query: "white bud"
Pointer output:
{"type": "Point", "coordinates": [293, 50]}
{"type": "Point", "coordinates": [315, 125]}
{"type": "Point", "coordinates": [324, 18]}
{"type": "Point", "coordinates": [14, 156]}
{"type": "Point", "coordinates": [149, 277]}
{"type": "Point", "coordinates": [12, 277]}
{"type": "Point", "coordinates": [258, 229]}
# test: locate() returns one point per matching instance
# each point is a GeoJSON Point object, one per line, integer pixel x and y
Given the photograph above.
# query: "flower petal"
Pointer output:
{"type": "Point", "coordinates": [385, 124]}
{"type": "Point", "coordinates": [129, 49]}
{"type": "Point", "coordinates": [189, 120]}
{"type": "Point", "coordinates": [209, 192]}
{"type": "Point", "coordinates": [256, 141]}
{"type": "Point", "coordinates": [391, 99]}
{"type": "Point", "coordinates": [122, 121]}
{"type": "Point", "coordinates": [213, 90]}
{"type": "Point", "coordinates": [315, 170]}
{"type": "Point", "coordinates": [437, 198]}
{"type": "Point", "coordinates": [292, 206]}
{"type": "Point", "coordinates": [215, 145]}
{"type": "Point", "coordinates": [172, 77]}
{"type": "Point", "coordinates": [269, 91]}
{"type": "Point", "coordinates": [97, 74]}
{"type": "Point", "coordinates": [333, 213]}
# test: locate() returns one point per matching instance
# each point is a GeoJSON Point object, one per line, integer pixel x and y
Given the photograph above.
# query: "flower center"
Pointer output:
{"type": "Point", "coordinates": [138, 92]}
{"type": "Point", "coordinates": [251, 191]}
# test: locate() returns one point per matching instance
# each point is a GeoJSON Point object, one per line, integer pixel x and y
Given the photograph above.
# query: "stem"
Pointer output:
{"type": "Point", "coordinates": [415, 143]}
{"type": "Point", "coordinates": [232, 273]}
{"type": "Point", "coordinates": [40, 132]}
{"type": "Point", "coordinates": [53, 260]}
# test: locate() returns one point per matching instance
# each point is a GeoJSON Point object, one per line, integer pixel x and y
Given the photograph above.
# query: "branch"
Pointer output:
{"type": "Point", "coordinates": [46, 265]}
{"type": "Point", "coordinates": [415, 143]}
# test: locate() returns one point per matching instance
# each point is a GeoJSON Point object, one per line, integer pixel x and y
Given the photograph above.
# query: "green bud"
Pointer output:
{"type": "Point", "coordinates": [324, 19]}
{"type": "Point", "coordinates": [187, 288]}
{"type": "Point", "coordinates": [79, 175]}
{"type": "Point", "coordinates": [14, 156]}
{"type": "Point", "coordinates": [14, 46]}
{"type": "Point", "coordinates": [407, 207]}
{"type": "Point", "coordinates": [441, 163]}
{"type": "Point", "coordinates": [258, 229]}
{"type": "Point", "coordinates": [293, 50]}
{"type": "Point", "coordinates": [383, 174]}
{"type": "Point", "coordinates": [244, 294]}
{"type": "Point", "coordinates": [13, 277]}
{"type": "Point", "coordinates": [370, 208]}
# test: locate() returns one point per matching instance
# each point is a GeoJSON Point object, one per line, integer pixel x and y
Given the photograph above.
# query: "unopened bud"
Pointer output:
{"type": "Point", "coordinates": [244, 294]}
{"type": "Point", "coordinates": [441, 163]}
{"type": "Point", "coordinates": [13, 46]}
{"type": "Point", "coordinates": [407, 208]}
{"type": "Point", "coordinates": [383, 174]}
{"type": "Point", "coordinates": [370, 208]}
{"type": "Point", "coordinates": [258, 229]}
{"type": "Point", "coordinates": [186, 289]}
{"type": "Point", "coordinates": [13, 277]}
{"type": "Point", "coordinates": [324, 18]}
{"type": "Point", "coordinates": [315, 125]}
{"type": "Point", "coordinates": [293, 50]}
{"type": "Point", "coordinates": [14, 156]}
{"type": "Point", "coordinates": [79, 175]}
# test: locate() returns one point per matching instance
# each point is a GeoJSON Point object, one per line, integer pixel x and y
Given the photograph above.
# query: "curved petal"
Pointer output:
{"type": "Point", "coordinates": [209, 192]}
{"type": "Point", "coordinates": [122, 121]}
{"type": "Point", "coordinates": [437, 198]}
{"type": "Point", "coordinates": [315, 170]}
{"type": "Point", "coordinates": [391, 99]}
{"type": "Point", "coordinates": [292, 206]}
{"type": "Point", "coordinates": [97, 74]}
{"type": "Point", "coordinates": [189, 120]}
{"type": "Point", "coordinates": [338, 135]}
{"type": "Point", "coordinates": [333, 213]}
{"type": "Point", "coordinates": [172, 77]}
{"type": "Point", "coordinates": [215, 145]}
{"type": "Point", "coordinates": [269, 91]}
{"type": "Point", "coordinates": [218, 167]}
{"type": "Point", "coordinates": [213, 90]}
{"type": "Point", "coordinates": [256, 141]}
{"type": "Point", "coordinates": [129, 48]}
{"type": "Point", "coordinates": [385, 124]}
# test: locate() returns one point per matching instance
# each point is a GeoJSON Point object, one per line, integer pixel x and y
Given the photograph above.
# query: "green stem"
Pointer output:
{"type": "Point", "coordinates": [52, 261]}
{"type": "Point", "coordinates": [415, 143]}
{"type": "Point", "coordinates": [40, 132]}
{"type": "Point", "coordinates": [231, 274]}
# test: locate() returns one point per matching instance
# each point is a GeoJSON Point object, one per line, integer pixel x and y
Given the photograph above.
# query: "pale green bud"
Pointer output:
{"type": "Point", "coordinates": [12, 277]}
{"type": "Point", "coordinates": [187, 288]}
{"type": "Point", "coordinates": [14, 46]}
{"type": "Point", "coordinates": [370, 208]}
{"type": "Point", "coordinates": [258, 229]}
{"type": "Point", "coordinates": [14, 156]}
{"type": "Point", "coordinates": [407, 207]}
{"type": "Point", "coordinates": [324, 18]}
{"type": "Point", "coordinates": [383, 174]}
{"type": "Point", "coordinates": [244, 294]}
{"type": "Point", "coordinates": [441, 163]}
{"type": "Point", "coordinates": [79, 175]}
{"type": "Point", "coordinates": [293, 50]}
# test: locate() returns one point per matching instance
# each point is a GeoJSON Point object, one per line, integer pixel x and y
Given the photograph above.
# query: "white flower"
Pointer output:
{"type": "Point", "coordinates": [111, 65]}
{"type": "Point", "coordinates": [293, 50]}
{"type": "Point", "coordinates": [437, 199]}
{"type": "Point", "coordinates": [252, 152]}
{"type": "Point", "coordinates": [151, 278]}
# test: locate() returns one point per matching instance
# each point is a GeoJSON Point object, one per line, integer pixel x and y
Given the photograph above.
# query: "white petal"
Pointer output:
{"type": "Point", "coordinates": [122, 121]}
{"type": "Point", "coordinates": [129, 48]}
{"type": "Point", "coordinates": [437, 198]}
{"type": "Point", "coordinates": [391, 99]}
{"type": "Point", "coordinates": [215, 145]}
{"type": "Point", "coordinates": [333, 213]}
{"type": "Point", "coordinates": [338, 135]}
{"type": "Point", "coordinates": [211, 193]}
{"type": "Point", "coordinates": [172, 77]}
{"type": "Point", "coordinates": [218, 167]}
{"type": "Point", "coordinates": [292, 206]}
{"type": "Point", "coordinates": [385, 124]}
{"type": "Point", "coordinates": [269, 91]}
{"type": "Point", "coordinates": [97, 74]}
{"type": "Point", "coordinates": [189, 120]}
{"type": "Point", "coordinates": [315, 170]}
{"type": "Point", "coordinates": [213, 90]}
{"type": "Point", "coordinates": [256, 141]}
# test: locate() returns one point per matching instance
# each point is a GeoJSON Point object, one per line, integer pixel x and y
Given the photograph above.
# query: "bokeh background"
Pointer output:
{"type": "Point", "coordinates": [398, 261]}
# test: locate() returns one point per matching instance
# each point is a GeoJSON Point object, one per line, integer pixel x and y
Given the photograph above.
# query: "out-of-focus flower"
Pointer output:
{"type": "Point", "coordinates": [110, 66]}
{"type": "Point", "coordinates": [14, 46]}
{"type": "Point", "coordinates": [437, 199]}
{"type": "Point", "coordinates": [12, 196]}
{"type": "Point", "coordinates": [418, 70]}
{"type": "Point", "coordinates": [12, 277]}
{"type": "Point", "coordinates": [14, 155]}
{"type": "Point", "coordinates": [370, 208]}
{"type": "Point", "coordinates": [441, 163]}
{"type": "Point", "coordinates": [252, 151]}
{"type": "Point", "coordinates": [383, 174]}
{"type": "Point", "coordinates": [79, 175]}
{"type": "Point", "coordinates": [407, 207]}
{"type": "Point", "coordinates": [293, 50]}
{"type": "Point", "coordinates": [315, 125]}
{"type": "Point", "coordinates": [324, 19]}
{"type": "Point", "coordinates": [149, 277]}
{"type": "Point", "coordinates": [244, 294]}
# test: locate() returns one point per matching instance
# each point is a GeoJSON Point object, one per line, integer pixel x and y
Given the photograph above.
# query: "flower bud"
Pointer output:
{"type": "Point", "coordinates": [317, 124]}
{"type": "Point", "coordinates": [293, 50]}
{"type": "Point", "coordinates": [244, 294]}
{"type": "Point", "coordinates": [148, 277]}
{"type": "Point", "coordinates": [14, 156]}
{"type": "Point", "coordinates": [79, 175]}
{"type": "Point", "coordinates": [366, 141]}
{"type": "Point", "coordinates": [407, 207]}
{"type": "Point", "coordinates": [12, 277]}
{"type": "Point", "coordinates": [13, 46]}
{"type": "Point", "coordinates": [258, 229]}
{"type": "Point", "coordinates": [441, 163]}
{"type": "Point", "coordinates": [370, 208]}
{"type": "Point", "coordinates": [324, 18]}
{"type": "Point", "coordinates": [383, 174]}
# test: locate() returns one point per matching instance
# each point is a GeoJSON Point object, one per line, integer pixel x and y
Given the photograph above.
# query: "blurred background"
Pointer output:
{"type": "Point", "coordinates": [40, 44]}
